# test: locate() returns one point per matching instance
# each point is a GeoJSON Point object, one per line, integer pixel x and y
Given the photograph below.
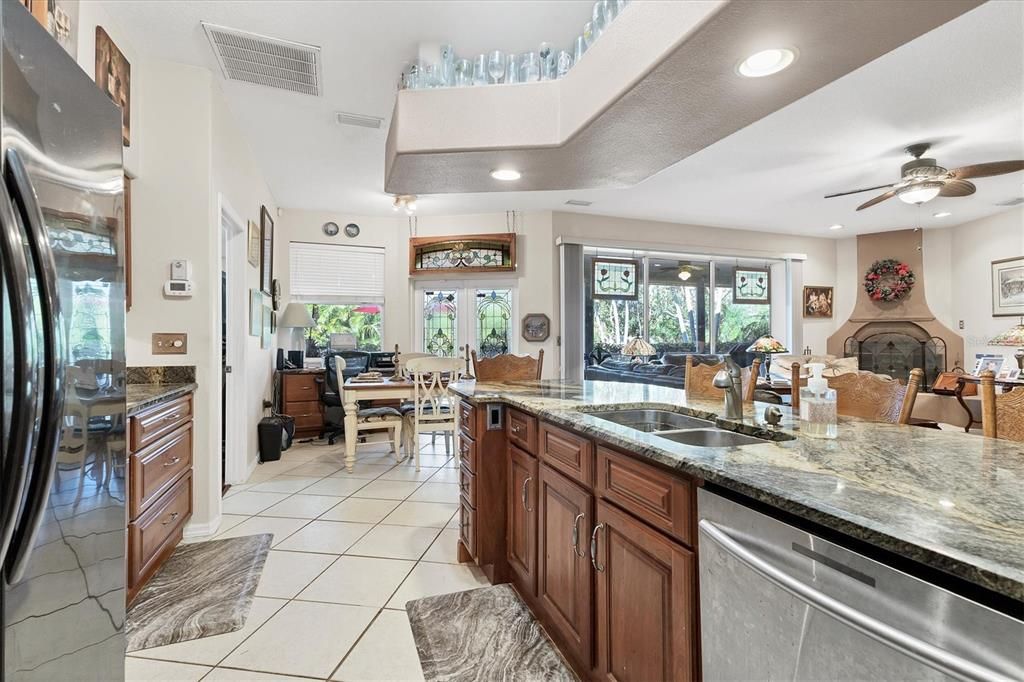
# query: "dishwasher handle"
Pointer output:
{"type": "Point", "coordinates": [929, 654]}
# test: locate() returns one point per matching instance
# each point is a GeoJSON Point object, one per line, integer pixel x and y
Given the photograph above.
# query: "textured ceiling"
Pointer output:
{"type": "Point", "coordinates": [961, 86]}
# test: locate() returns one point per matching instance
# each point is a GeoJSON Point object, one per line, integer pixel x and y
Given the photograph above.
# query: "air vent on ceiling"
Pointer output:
{"type": "Point", "coordinates": [1011, 202]}
{"type": "Point", "coordinates": [347, 119]}
{"type": "Point", "coordinates": [578, 202]}
{"type": "Point", "coordinates": [271, 62]}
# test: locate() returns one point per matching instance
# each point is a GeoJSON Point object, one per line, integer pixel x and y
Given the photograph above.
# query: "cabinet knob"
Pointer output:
{"type": "Point", "coordinates": [174, 515]}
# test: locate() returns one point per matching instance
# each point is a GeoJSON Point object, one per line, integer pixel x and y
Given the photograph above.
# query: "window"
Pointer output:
{"type": "Point", "coordinates": [440, 323]}
{"type": "Point", "coordinates": [480, 315]}
{"type": "Point", "coordinates": [343, 289]}
{"type": "Point", "coordinates": [494, 321]}
{"type": "Point", "coordinates": [679, 297]}
{"type": "Point", "coordinates": [89, 331]}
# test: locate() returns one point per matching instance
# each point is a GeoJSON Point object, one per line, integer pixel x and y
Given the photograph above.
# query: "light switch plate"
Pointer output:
{"type": "Point", "coordinates": [170, 344]}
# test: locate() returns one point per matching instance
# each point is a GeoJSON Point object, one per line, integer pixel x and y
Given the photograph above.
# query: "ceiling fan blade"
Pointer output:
{"type": "Point", "coordinates": [877, 200]}
{"type": "Point", "coordinates": [857, 191]}
{"type": "Point", "coordinates": [987, 170]}
{"type": "Point", "coordinates": [957, 188]}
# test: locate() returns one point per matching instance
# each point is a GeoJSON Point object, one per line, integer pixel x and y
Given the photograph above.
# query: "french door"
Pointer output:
{"type": "Point", "coordinates": [452, 315]}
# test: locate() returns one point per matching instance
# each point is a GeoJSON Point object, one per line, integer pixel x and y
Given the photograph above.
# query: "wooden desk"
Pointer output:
{"type": "Point", "coordinates": [354, 391]}
{"type": "Point", "coordinates": [964, 379]}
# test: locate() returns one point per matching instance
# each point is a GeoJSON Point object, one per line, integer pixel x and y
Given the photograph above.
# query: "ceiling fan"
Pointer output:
{"type": "Point", "coordinates": [922, 180]}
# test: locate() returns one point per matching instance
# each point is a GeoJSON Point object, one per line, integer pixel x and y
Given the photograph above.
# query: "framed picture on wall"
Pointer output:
{"type": "Point", "coordinates": [252, 253]}
{"type": "Point", "coordinates": [255, 312]}
{"type": "Point", "coordinates": [817, 301]}
{"type": "Point", "coordinates": [1008, 287]}
{"type": "Point", "coordinates": [268, 323]}
{"type": "Point", "coordinates": [266, 251]}
{"type": "Point", "coordinates": [751, 285]}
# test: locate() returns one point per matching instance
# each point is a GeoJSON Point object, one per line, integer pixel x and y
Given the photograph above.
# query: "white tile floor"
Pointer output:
{"type": "Point", "coordinates": [349, 551]}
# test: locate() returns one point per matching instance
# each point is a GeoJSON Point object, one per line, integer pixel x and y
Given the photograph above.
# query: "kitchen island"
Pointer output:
{"type": "Point", "coordinates": [947, 507]}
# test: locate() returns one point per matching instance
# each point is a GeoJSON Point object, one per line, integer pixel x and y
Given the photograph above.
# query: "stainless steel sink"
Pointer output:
{"type": "Point", "coordinates": [710, 438]}
{"type": "Point", "coordinates": [652, 421]}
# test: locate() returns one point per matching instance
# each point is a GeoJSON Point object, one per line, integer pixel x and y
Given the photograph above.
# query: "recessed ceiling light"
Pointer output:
{"type": "Point", "coordinates": [507, 174]}
{"type": "Point", "coordinates": [766, 62]}
{"type": "Point", "coordinates": [837, 226]}
{"type": "Point", "coordinates": [941, 214]}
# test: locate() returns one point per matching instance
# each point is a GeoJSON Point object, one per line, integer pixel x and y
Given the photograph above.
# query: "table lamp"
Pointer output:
{"type": "Point", "coordinates": [637, 348]}
{"type": "Point", "coordinates": [296, 316]}
{"type": "Point", "coordinates": [1014, 336]}
{"type": "Point", "coordinates": [767, 345]}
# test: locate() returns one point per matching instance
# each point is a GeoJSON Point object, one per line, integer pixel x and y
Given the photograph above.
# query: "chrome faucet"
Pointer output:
{"type": "Point", "coordinates": [731, 380]}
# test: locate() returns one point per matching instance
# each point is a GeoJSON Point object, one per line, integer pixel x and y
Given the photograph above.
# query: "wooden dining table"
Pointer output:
{"type": "Point", "coordinates": [964, 379]}
{"type": "Point", "coordinates": [355, 391]}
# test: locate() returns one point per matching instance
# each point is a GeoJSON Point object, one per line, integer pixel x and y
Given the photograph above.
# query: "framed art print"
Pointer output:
{"type": "Point", "coordinates": [252, 253]}
{"type": "Point", "coordinates": [818, 301]}
{"type": "Point", "coordinates": [266, 251]}
{"type": "Point", "coordinates": [1008, 287]}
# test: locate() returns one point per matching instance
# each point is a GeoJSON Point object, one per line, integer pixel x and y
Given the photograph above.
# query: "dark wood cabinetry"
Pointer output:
{"type": "Point", "coordinates": [298, 396]}
{"type": "Point", "coordinates": [564, 573]}
{"type": "Point", "coordinates": [482, 475]}
{"type": "Point", "coordinates": [646, 601]}
{"type": "Point", "coordinates": [522, 520]}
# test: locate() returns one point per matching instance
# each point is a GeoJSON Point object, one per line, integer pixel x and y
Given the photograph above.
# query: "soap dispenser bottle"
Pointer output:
{"type": "Point", "coordinates": [818, 405]}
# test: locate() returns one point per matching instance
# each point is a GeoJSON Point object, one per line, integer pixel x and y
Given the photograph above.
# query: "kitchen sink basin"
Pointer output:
{"type": "Point", "coordinates": [652, 421]}
{"type": "Point", "coordinates": [710, 438]}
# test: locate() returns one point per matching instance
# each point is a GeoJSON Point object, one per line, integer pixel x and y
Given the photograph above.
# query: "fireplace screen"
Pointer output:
{"type": "Point", "coordinates": [895, 353]}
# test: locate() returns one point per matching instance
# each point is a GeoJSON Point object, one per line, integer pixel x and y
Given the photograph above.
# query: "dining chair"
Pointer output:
{"type": "Point", "coordinates": [402, 358]}
{"type": "Point", "coordinates": [508, 367]}
{"type": "Point", "coordinates": [1002, 415]}
{"type": "Point", "coordinates": [698, 382]}
{"type": "Point", "coordinates": [875, 398]}
{"type": "Point", "coordinates": [433, 406]}
{"type": "Point", "coordinates": [372, 418]}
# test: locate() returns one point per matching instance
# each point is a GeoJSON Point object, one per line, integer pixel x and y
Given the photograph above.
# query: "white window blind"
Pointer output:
{"type": "Point", "coordinates": [342, 275]}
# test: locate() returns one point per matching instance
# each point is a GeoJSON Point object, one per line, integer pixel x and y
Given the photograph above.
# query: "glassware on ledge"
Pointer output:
{"type": "Point", "coordinates": [529, 70]}
{"type": "Point", "coordinates": [579, 46]}
{"type": "Point", "coordinates": [589, 35]}
{"type": "Point", "coordinates": [429, 75]}
{"type": "Point", "coordinates": [496, 66]}
{"type": "Point", "coordinates": [620, 5]}
{"type": "Point", "coordinates": [563, 62]}
{"type": "Point", "coordinates": [463, 73]}
{"type": "Point", "coordinates": [547, 61]}
{"type": "Point", "coordinates": [611, 10]}
{"type": "Point", "coordinates": [512, 70]}
{"type": "Point", "coordinates": [447, 67]}
{"type": "Point", "coordinates": [599, 17]}
{"type": "Point", "coordinates": [480, 70]}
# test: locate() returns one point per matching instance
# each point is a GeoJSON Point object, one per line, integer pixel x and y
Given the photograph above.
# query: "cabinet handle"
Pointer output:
{"type": "Point", "coordinates": [526, 483]}
{"type": "Point", "coordinates": [171, 417]}
{"type": "Point", "coordinates": [593, 548]}
{"type": "Point", "coordinates": [576, 535]}
{"type": "Point", "coordinates": [174, 515]}
{"type": "Point", "coordinates": [172, 462]}
{"type": "Point", "coordinates": [516, 428]}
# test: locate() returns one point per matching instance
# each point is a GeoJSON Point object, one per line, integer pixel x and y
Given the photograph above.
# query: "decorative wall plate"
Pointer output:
{"type": "Point", "coordinates": [351, 230]}
{"type": "Point", "coordinates": [536, 327]}
{"type": "Point", "coordinates": [331, 229]}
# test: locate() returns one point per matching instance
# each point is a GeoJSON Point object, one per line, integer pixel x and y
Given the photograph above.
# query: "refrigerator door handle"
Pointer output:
{"type": "Point", "coordinates": [23, 199]}
{"type": "Point", "coordinates": [18, 455]}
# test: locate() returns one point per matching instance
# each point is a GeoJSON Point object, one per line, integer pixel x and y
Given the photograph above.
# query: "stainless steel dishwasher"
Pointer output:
{"type": "Point", "coordinates": [778, 603]}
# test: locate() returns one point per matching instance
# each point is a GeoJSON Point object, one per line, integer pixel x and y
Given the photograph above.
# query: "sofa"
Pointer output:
{"type": "Point", "coordinates": [667, 370]}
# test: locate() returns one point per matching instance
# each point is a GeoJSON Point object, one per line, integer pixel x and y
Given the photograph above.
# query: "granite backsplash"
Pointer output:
{"type": "Point", "coordinates": [177, 374]}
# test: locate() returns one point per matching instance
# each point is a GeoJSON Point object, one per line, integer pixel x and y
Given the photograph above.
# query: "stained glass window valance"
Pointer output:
{"type": "Point", "coordinates": [614, 278]}
{"type": "Point", "coordinates": [463, 253]}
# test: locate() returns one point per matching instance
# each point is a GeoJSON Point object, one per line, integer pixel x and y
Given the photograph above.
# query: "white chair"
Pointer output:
{"type": "Point", "coordinates": [402, 360]}
{"type": "Point", "coordinates": [433, 407]}
{"type": "Point", "coordinates": [373, 418]}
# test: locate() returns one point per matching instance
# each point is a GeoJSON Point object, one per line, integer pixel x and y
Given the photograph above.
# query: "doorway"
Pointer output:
{"type": "Point", "coordinates": [451, 315]}
{"type": "Point", "coordinates": [233, 327]}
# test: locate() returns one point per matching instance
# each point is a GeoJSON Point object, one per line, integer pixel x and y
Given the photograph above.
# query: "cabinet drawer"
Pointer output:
{"type": "Point", "coordinates": [153, 536]}
{"type": "Point", "coordinates": [467, 528]}
{"type": "Point", "coordinates": [568, 453]}
{"type": "Point", "coordinates": [467, 419]}
{"type": "Point", "coordinates": [467, 453]}
{"type": "Point", "coordinates": [522, 431]}
{"type": "Point", "coordinates": [155, 423]}
{"type": "Point", "coordinates": [304, 409]}
{"type": "Point", "coordinates": [300, 388]}
{"type": "Point", "coordinates": [467, 486]}
{"type": "Point", "coordinates": [657, 497]}
{"type": "Point", "coordinates": [155, 468]}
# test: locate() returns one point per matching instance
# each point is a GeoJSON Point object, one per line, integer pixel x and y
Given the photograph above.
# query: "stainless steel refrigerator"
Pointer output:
{"type": "Point", "coordinates": [62, 516]}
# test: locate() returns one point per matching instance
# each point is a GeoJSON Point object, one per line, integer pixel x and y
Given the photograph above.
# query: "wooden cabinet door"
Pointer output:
{"type": "Point", "coordinates": [564, 573]}
{"type": "Point", "coordinates": [646, 621]}
{"type": "Point", "coordinates": [522, 520]}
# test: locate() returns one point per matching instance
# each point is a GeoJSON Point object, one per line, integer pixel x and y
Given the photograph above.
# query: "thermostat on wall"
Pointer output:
{"type": "Point", "coordinates": [177, 287]}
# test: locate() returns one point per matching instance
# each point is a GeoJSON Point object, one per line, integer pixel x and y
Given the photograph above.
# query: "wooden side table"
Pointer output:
{"type": "Point", "coordinates": [298, 396]}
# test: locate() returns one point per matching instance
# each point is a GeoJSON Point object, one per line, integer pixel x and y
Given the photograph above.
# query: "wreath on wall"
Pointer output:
{"type": "Point", "coordinates": [888, 280]}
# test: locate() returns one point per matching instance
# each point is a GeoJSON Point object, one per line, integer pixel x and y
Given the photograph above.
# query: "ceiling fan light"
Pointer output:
{"type": "Point", "coordinates": [919, 193]}
{"type": "Point", "coordinates": [685, 274]}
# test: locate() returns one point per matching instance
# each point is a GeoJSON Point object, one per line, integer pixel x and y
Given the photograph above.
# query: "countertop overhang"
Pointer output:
{"type": "Point", "coordinates": [950, 501]}
{"type": "Point", "coordinates": [141, 396]}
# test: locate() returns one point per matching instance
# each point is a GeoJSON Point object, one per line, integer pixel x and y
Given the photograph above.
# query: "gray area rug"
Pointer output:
{"type": "Point", "coordinates": [204, 589]}
{"type": "Point", "coordinates": [485, 634]}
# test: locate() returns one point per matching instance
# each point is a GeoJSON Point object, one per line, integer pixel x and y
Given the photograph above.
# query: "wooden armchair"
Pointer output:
{"type": "Point", "coordinates": [508, 367]}
{"type": "Point", "coordinates": [872, 397]}
{"type": "Point", "coordinates": [1002, 416]}
{"type": "Point", "coordinates": [699, 380]}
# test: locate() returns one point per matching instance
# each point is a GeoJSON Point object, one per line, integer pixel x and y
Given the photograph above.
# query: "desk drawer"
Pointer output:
{"type": "Point", "coordinates": [568, 453]}
{"type": "Point", "coordinates": [155, 423]}
{"type": "Point", "coordinates": [467, 419]}
{"type": "Point", "coordinates": [154, 469]}
{"type": "Point", "coordinates": [153, 536]}
{"type": "Point", "coordinates": [467, 453]}
{"type": "Point", "coordinates": [467, 486]}
{"type": "Point", "coordinates": [522, 430]}
{"type": "Point", "coordinates": [300, 388]}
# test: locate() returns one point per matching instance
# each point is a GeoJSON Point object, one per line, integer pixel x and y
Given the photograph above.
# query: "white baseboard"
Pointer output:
{"type": "Point", "coordinates": [202, 530]}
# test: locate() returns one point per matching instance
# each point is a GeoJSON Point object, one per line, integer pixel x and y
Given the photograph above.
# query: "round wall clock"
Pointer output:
{"type": "Point", "coordinates": [351, 230]}
{"type": "Point", "coordinates": [331, 229]}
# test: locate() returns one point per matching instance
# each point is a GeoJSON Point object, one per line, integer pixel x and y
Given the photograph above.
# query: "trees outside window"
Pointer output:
{"type": "Point", "coordinates": [364, 322]}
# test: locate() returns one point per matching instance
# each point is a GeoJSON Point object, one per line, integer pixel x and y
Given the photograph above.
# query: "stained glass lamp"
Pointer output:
{"type": "Point", "coordinates": [638, 349]}
{"type": "Point", "coordinates": [1014, 336]}
{"type": "Point", "coordinates": [767, 345]}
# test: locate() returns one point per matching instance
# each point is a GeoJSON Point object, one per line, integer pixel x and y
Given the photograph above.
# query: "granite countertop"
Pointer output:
{"type": "Point", "coordinates": [951, 501]}
{"type": "Point", "coordinates": [141, 396]}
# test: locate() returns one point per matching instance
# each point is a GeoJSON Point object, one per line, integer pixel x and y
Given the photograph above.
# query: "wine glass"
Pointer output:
{"type": "Point", "coordinates": [496, 66]}
{"type": "Point", "coordinates": [480, 70]}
